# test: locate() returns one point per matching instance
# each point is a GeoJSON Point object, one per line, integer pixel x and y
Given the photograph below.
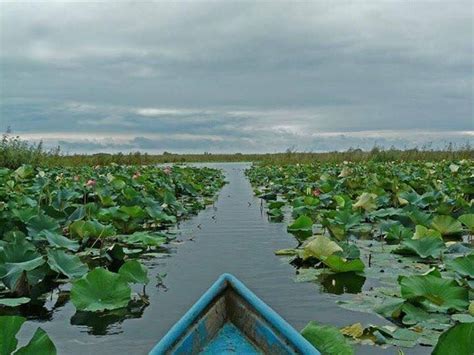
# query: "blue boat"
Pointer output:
{"type": "Point", "coordinates": [230, 319]}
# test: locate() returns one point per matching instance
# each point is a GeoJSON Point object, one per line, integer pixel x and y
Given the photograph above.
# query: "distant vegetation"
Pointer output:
{"type": "Point", "coordinates": [14, 152]}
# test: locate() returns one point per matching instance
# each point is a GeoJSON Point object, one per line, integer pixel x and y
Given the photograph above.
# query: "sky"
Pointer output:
{"type": "Point", "coordinates": [228, 76]}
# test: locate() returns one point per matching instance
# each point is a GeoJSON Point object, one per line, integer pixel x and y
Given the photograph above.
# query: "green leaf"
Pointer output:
{"type": "Point", "coordinates": [425, 247]}
{"type": "Point", "coordinates": [444, 293]}
{"type": "Point", "coordinates": [338, 264]}
{"type": "Point", "coordinates": [446, 225]}
{"type": "Point", "coordinates": [90, 293]}
{"type": "Point", "coordinates": [66, 264]}
{"type": "Point", "coordinates": [463, 265]}
{"type": "Point", "coordinates": [458, 340]}
{"type": "Point", "coordinates": [468, 221]}
{"type": "Point", "coordinates": [423, 232]}
{"type": "Point", "coordinates": [133, 211]}
{"type": "Point", "coordinates": [327, 339]}
{"type": "Point", "coordinates": [88, 229]}
{"type": "Point", "coordinates": [40, 344]}
{"type": "Point", "coordinates": [17, 258]}
{"type": "Point", "coordinates": [9, 327]}
{"type": "Point", "coordinates": [133, 271]}
{"type": "Point", "coordinates": [41, 222]}
{"type": "Point", "coordinates": [320, 247]}
{"type": "Point", "coordinates": [58, 241]}
{"type": "Point", "coordinates": [144, 239]}
{"type": "Point", "coordinates": [14, 302]}
{"type": "Point", "coordinates": [302, 227]}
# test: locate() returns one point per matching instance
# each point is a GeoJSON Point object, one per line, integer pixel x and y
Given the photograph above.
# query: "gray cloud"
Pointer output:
{"type": "Point", "coordinates": [237, 76]}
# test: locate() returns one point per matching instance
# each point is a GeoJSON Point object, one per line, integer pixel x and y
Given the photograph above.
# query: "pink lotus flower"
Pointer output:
{"type": "Point", "coordinates": [136, 175]}
{"type": "Point", "coordinates": [316, 192]}
{"type": "Point", "coordinates": [167, 170]}
{"type": "Point", "coordinates": [91, 182]}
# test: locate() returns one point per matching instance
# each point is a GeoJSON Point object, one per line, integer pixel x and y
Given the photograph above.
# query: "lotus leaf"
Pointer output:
{"type": "Point", "coordinates": [39, 344]}
{"type": "Point", "coordinates": [444, 293]}
{"type": "Point", "coordinates": [134, 272]}
{"type": "Point", "coordinates": [320, 247]}
{"type": "Point", "coordinates": [463, 265]}
{"type": "Point", "coordinates": [458, 340]}
{"type": "Point", "coordinates": [66, 264]}
{"type": "Point", "coordinates": [58, 241]}
{"type": "Point", "coordinates": [327, 339]}
{"type": "Point", "coordinates": [425, 247]}
{"type": "Point", "coordinates": [446, 225]}
{"type": "Point", "coordinates": [100, 290]}
{"type": "Point", "coordinates": [468, 221]}
{"type": "Point", "coordinates": [338, 264]}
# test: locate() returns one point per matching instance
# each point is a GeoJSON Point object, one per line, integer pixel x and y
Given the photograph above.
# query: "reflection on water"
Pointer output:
{"type": "Point", "coordinates": [102, 323]}
{"type": "Point", "coordinates": [346, 282]}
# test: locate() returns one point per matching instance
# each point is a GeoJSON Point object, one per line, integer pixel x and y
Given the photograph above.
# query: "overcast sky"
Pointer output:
{"type": "Point", "coordinates": [237, 76]}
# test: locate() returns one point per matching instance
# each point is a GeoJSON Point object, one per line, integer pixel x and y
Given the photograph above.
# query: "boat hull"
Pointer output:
{"type": "Point", "coordinates": [229, 318]}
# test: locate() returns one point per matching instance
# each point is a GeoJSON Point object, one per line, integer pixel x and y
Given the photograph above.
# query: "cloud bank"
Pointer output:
{"type": "Point", "coordinates": [237, 76]}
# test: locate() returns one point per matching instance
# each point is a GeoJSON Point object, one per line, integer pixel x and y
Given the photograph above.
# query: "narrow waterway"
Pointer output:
{"type": "Point", "coordinates": [232, 236]}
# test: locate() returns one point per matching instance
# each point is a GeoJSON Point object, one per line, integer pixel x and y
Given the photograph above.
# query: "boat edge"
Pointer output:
{"type": "Point", "coordinates": [282, 326]}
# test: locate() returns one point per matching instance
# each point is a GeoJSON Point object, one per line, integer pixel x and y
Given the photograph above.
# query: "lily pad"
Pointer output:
{"type": "Point", "coordinates": [327, 339]}
{"type": "Point", "coordinates": [444, 293]}
{"type": "Point", "coordinates": [463, 265]}
{"type": "Point", "coordinates": [14, 302]}
{"type": "Point", "coordinates": [58, 241]}
{"type": "Point", "coordinates": [425, 247]}
{"type": "Point", "coordinates": [144, 239]}
{"type": "Point", "coordinates": [338, 264]}
{"type": "Point", "coordinates": [468, 221]}
{"type": "Point", "coordinates": [89, 293]}
{"type": "Point", "coordinates": [66, 264]}
{"type": "Point", "coordinates": [458, 340]}
{"type": "Point", "coordinates": [446, 225]}
{"type": "Point", "coordinates": [302, 227]}
{"type": "Point", "coordinates": [133, 271]}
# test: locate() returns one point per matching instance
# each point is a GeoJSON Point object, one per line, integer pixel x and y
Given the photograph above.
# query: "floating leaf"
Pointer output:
{"type": "Point", "coordinates": [338, 264]}
{"type": "Point", "coordinates": [355, 330]}
{"type": "Point", "coordinates": [327, 339]}
{"type": "Point", "coordinates": [14, 302]}
{"type": "Point", "coordinates": [134, 272]}
{"type": "Point", "coordinates": [91, 294]}
{"type": "Point", "coordinates": [458, 340]}
{"type": "Point", "coordinates": [144, 239]}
